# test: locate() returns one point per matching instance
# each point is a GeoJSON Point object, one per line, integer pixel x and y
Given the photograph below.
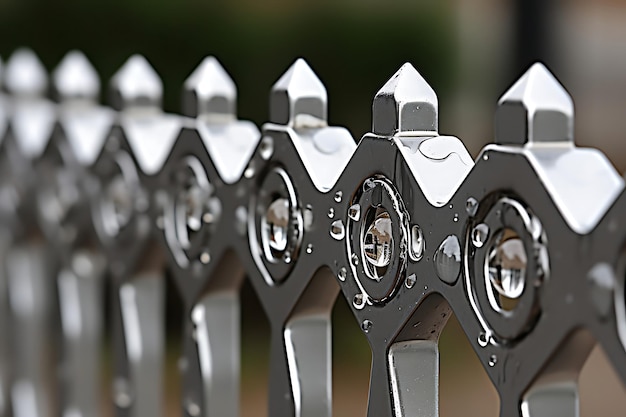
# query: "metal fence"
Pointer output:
{"type": "Point", "coordinates": [525, 245]}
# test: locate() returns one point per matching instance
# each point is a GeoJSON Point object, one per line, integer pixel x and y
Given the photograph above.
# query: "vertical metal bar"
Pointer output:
{"type": "Point", "coordinates": [5, 329]}
{"type": "Point", "coordinates": [30, 291]}
{"type": "Point", "coordinates": [81, 307]}
{"type": "Point", "coordinates": [138, 336]}
{"type": "Point", "coordinates": [211, 383]}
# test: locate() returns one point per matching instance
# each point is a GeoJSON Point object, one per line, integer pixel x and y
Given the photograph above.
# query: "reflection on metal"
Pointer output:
{"type": "Point", "coordinates": [308, 348]}
{"type": "Point", "coordinates": [218, 357]}
{"type": "Point", "coordinates": [414, 370]}
{"type": "Point", "coordinates": [525, 244]}
{"type": "Point", "coordinates": [557, 400]}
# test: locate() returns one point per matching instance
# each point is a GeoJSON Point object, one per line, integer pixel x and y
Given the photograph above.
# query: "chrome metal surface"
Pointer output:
{"type": "Point", "coordinates": [525, 244]}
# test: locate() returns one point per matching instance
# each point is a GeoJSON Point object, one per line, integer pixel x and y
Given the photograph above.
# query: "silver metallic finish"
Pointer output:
{"type": "Point", "coordinates": [30, 289]}
{"type": "Point", "coordinates": [406, 104]}
{"type": "Point", "coordinates": [210, 92]}
{"type": "Point", "coordinates": [75, 78]}
{"type": "Point", "coordinates": [414, 375]}
{"type": "Point", "coordinates": [134, 151]}
{"type": "Point", "coordinates": [202, 192]}
{"type": "Point", "coordinates": [81, 301]}
{"type": "Point", "coordinates": [5, 329]}
{"type": "Point", "coordinates": [539, 110]}
{"type": "Point", "coordinates": [29, 262]}
{"type": "Point", "coordinates": [136, 84]}
{"type": "Point", "coordinates": [24, 74]}
{"type": "Point", "coordinates": [298, 98]}
{"type": "Point", "coordinates": [298, 304]}
{"type": "Point", "coordinates": [525, 246]}
{"type": "Point", "coordinates": [535, 109]}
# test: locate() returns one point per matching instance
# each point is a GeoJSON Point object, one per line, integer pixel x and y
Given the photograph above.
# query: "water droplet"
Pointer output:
{"type": "Point", "coordinates": [410, 281]}
{"type": "Point", "coordinates": [338, 196]}
{"type": "Point", "coordinates": [337, 230]}
{"type": "Point", "coordinates": [287, 257]}
{"type": "Point", "coordinates": [354, 259]}
{"type": "Point", "coordinates": [275, 224]}
{"type": "Point", "coordinates": [266, 148]}
{"type": "Point", "coordinates": [205, 258]}
{"type": "Point", "coordinates": [309, 248]}
{"type": "Point", "coordinates": [471, 206]}
{"type": "Point", "coordinates": [358, 301]}
{"type": "Point", "coordinates": [121, 392]}
{"type": "Point", "coordinates": [493, 359]}
{"type": "Point", "coordinates": [507, 264]}
{"type": "Point", "coordinates": [485, 157]}
{"type": "Point", "coordinates": [480, 234]}
{"type": "Point", "coordinates": [366, 325]}
{"type": "Point", "coordinates": [193, 208]}
{"type": "Point", "coordinates": [354, 212]}
{"type": "Point", "coordinates": [418, 244]}
{"type": "Point", "coordinates": [250, 170]}
{"type": "Point", "coordinates": [377, 242]}
{"type": "Point", "coordinates": [483, 339]}
{"type": "Point", "coordinates": [451, 206]}
{"type": "Point", "coordinates": [455, 218]}
{"type": "Point", "coordinates": [448, 259]}
{"type": "Point", "coordinates": [342, 274]}
{"type": "Point", "coordinates": [602, 280]}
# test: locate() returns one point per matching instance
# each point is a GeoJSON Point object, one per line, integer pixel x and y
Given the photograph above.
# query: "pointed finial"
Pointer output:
{"type": "Point", "coordinates": [405, 104]}
{"type": "Point", "coordinates": [75, 78]}
{"type": "Point", "coordinates": [209, 90]}
{"type": "Point", "coordinates": [136, 84]}
{"type": "Point", "coordinates": [535, 109]}
{"type": "Point", "coordinates": [25, 75]}
{"type": "Point", "coordinates": [298, 98]}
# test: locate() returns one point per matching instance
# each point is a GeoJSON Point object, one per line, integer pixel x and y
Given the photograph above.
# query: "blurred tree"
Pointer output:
{"type": "Point", "coordinates": [353, 46]}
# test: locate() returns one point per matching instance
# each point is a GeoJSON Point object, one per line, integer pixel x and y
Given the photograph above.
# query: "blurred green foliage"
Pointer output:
{"type": "Point", "coordinates": [354, 46]}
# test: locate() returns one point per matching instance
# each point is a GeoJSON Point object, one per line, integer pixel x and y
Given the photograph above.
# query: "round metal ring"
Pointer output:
{"type": "Point", "coordinates": [377, 240]}
{"type": "Point", "coordinates": [276, 225]}
{"type": "Point", "coordinates": [506, 215]}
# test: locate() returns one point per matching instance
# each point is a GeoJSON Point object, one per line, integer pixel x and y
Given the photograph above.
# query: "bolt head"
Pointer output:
{"type": "Point", "coordinates": [76, 78]}
{"type": "Point", "coordinates": [136, 84]}
{"type": "Point", "coordinates": [25, 75]}
{"type": "Point", "coordinates": [298, 99]}
{"type": "Point", "coordinates": [406, 104]}
{"type": "Point", "coordinates": [209, 91]}
{"type": "Point", "coordinates": [535, 109]}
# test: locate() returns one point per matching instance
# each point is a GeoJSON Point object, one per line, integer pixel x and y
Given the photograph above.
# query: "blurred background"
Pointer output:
{"type": "Point", "coordinates": [469, 50]}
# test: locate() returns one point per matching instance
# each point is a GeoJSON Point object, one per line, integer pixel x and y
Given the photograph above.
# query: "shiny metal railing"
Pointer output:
{"type": "Point", "coordinates": [525, 245]}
